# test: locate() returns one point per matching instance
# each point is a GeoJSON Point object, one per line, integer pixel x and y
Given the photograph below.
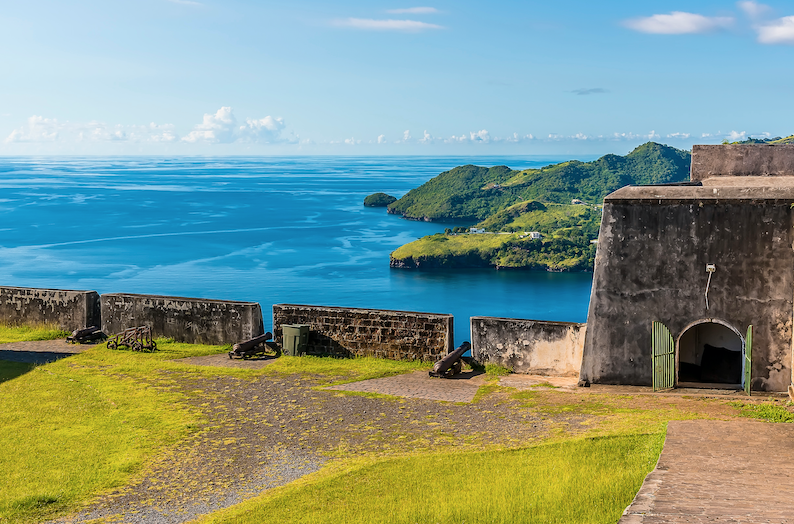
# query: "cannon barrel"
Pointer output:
{"type": "Point", "coordinates": [80, 333]}
{"type": "Point", "coordinates": [443, 365]}
{"type": "Point", "coordinates": [249, 344]}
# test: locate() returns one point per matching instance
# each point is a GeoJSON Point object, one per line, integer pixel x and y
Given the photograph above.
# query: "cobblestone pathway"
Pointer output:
{"type": "Point", "coordinates": [719, 472]}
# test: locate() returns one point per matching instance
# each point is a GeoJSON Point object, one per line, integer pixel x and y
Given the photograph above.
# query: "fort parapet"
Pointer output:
{"type": "Point", "coordinates": [529, 346]}
{"type": "Point", "coordinates": [745, 160]}
{"type": "Point", "coordinates": [398, 335]}
{"type": "Point", "coordinates": [192, 320]}
{"type": "Point", "coordinates": [68, 309]}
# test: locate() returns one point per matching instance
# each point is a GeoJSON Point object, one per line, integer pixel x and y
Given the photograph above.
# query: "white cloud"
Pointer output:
{"type": "Point", "coordinates": [681, 136]}
{"type": "Point", "coordinates": [413, 11]}
{"type": "Point", "coordinates": [480, 136]}
{"type": "Point", "coordinates": [222, 128]}
{"type": "Point", "coordinates": [38, 129]}
{"type": "Point", "coordinates": [265, 130]}
{"type": "Point", "coordinates": [406, 135]}
{"type": "Point", "coordinates": [780, 31]}
{"type": "Point", "coordinates": [352, 141]}
{"type": "Point", "coordinates": [217, 128]}
{"type": "Point", "coordinates": [381, 139]}
{"type": "Point", "coordinates": [735, 136]}
{"type": "Point", "coordinates": [753, 9]}
{"type": "Point", "coordinates": [408, 26]}
{"type": "Point", "coordinates": [678, 23]}
{"type": "Point", "coordinates": [162, 133]}
{"type": "Point", "coordinates": [427, 138]}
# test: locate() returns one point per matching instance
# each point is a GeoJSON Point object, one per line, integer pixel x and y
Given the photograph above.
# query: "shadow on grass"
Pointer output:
{"type": "Point", "coordinates": [11, 370]}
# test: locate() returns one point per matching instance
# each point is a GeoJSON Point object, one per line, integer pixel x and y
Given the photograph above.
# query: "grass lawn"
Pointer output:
{"type": "Point", "coordinates": [82, 425]}
{"type": "Point", "coordinates": [90, 423]}
{"type": "Point", "coordinates": [580, 481]}
{"type": "Point", "coordinates": [85, 424]}
{"type": "Point", "coordinates": [9, 370]}
{"type": "Point", "coordinates": [24, 333]}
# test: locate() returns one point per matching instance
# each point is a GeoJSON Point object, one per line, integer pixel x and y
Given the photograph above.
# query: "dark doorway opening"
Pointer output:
{"type": "Point", "coordinates": [710, 353]}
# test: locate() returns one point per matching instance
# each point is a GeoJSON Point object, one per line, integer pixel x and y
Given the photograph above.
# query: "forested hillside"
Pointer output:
{"type": "Point", "coordinates": [475, 193]}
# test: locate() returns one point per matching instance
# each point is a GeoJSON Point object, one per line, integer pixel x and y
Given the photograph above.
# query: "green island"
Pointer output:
{"type": "Point", "coordinates": [379, 200]}
{"type": "Point", "coordinates": [509, 208]}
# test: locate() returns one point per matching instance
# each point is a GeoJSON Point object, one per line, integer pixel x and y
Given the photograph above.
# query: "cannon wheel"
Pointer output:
{"type": "Point", "coordinates": [112, 345]}
{"type": "Point", "coordinates": [137, 346]}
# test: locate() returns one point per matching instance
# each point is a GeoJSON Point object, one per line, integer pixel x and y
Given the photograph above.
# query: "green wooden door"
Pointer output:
{"type": "Point", "coordinates": [748, 360]}
{"type": "Point", "coordinates": [662, 357]}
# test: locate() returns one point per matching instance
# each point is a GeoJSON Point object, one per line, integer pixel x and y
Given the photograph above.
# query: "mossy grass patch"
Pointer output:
{"type": "Point", "coordinates": [333, 370]}
{"type": "Point", "coordinates": [30, 332]}
{"type": "Point", "coordinates": [770, 410]}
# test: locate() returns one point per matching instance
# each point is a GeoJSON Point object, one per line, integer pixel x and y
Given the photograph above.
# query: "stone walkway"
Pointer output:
{"type": "Point", "coordinates": [461, 388]}
{"type": "Point", "coordinates": [727, 472]}
{"type": "Point", "coordinates": [40, 351]}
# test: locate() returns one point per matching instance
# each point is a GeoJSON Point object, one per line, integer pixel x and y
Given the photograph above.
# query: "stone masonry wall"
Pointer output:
{"type": "Point", "coordinates": [68, 309]}
{"type": "Point", "coordinates": [650, 266]}
{"type": "Point", "coordinates": [397, 335]}
{"type": "Point", "coordinates": [192, 320]}
{"type": "Point", "coordinates": [741, 160]}
{"type": "Point", "coordinates": [529, 346]}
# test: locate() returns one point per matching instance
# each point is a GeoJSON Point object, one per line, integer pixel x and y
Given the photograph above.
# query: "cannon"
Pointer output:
{"type": "Point", "coordinates": [451, 364]}
{"type": "Point", "coordinates": [137, 339]}
{"type": "Point", "coordinates": [89, 334]}
{"type": "Point", "coordinates": [251, 347]}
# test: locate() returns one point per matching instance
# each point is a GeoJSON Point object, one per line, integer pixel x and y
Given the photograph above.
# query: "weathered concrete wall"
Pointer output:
{"type": "Point", "coordinates": [397, 335]}
{"type": "Point", "coordinates": [529, 346]}
{"type": "Point", "coordinates": [68, 309]}
{"type": "Point", "coordinates": [193, 320]}
{"type": "Point", "coordinates": [653, 247]}
{"type": "Point", "coordinates": [742, 160]}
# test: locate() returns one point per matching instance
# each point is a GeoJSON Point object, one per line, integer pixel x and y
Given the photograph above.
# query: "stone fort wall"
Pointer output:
{"type": "Point", "coordinates": [67, 309]}
{"type": "Point", "coordinates": [192, 320]}
{"type": "Point", "coordinates": [398, 335]}
{"type": "Point", "coordinates": [529, 346]}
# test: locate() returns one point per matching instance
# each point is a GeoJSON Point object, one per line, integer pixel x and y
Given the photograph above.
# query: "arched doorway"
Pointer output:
{"type": "Point", "coordinates": [710, 352]}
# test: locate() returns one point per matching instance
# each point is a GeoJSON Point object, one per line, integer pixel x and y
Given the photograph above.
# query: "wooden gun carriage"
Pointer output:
{"type": "Point", "coordinates": [137, 339]}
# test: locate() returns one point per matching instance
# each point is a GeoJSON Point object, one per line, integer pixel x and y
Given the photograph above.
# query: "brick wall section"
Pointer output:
{"type": "Point", "coordinates": [67, 309]}
{"type": "Point", "coordinates": [396, 335]}
{"type": "Point", "coordinates": [529, 346]}
{"type": "Point", "coordinates": [192, 320]}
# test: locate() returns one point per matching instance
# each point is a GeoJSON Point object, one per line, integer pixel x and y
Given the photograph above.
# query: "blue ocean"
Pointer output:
{"type": "Point", "coordinates": [266, 229]}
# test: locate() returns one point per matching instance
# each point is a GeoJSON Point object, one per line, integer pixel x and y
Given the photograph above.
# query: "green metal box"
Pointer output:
{"type": "Point", "coordinates": [296, 339]}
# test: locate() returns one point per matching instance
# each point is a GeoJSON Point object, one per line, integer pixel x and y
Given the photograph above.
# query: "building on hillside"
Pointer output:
{"type": "Point", "coordinates": [694, 282]}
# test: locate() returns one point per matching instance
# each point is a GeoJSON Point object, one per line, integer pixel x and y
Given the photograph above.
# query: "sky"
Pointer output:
{"type": "Point", "coordinates": [297, 77]}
